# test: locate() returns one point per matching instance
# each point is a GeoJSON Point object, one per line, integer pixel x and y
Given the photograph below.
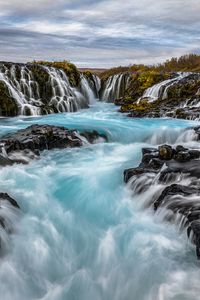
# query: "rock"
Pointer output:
{"type": "Point", "coordinates": [180, 148]}
{"type": "Point", "coordinates": [6, 223]}
{"type": "Point", "coordinates": [6, 197]}
{"type": "Point", "coordinates": [198, 93]}
{"type": "Point", "coordinates": [165, 152]}
{"type": "Point", "coordinates": [185, 206]}
{"type": "Point", "coordinates": [174, 189]}
{"type": "Point", "coordinates": [180, 100]}
{"type": "Point", "coordinates": [5, 161]}
{"type": "Point", "coordinates": [194, 154]}
{"type": "Point", "coordinates": [129, 173]}
{"type": "Point", "coordinates": [149, 151]}
{"type": "Point", "coordinates": [182, 156]}
{"type": "Point", "coordinates": [192, 168]}
{"type": "Point", "coordinates": [182, 202]}
{"type": "Point", "coordinates": [93, 136]}
{"type": "Point", "coordinates": [148, 157]}
{"type": "Point", "coordinates": [36, 138]}
{"type": "Point", "coordinates": [156, 163]}
{"type": "Point", "coordinates": [195, 229]}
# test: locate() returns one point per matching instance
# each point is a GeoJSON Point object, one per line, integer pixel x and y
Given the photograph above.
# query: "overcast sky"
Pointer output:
{"type": "Point", "coordinates": [94, 33]}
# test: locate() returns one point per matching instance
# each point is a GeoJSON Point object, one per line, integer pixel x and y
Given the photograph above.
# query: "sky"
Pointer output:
{"type": "Point", "coordinates": [100, 33]}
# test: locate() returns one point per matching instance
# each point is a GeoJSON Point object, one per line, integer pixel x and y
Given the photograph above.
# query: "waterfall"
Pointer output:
{"type": "Point", "coordinates": [24, 91]}
{"type": "Point", "coordinates": [90, 87]}
{"type": "Point", "coordinates": [52, 92]}
{"type": "Point", "coordinates": [160, 90]}
{"type": "Point", "coordinates": [64, 96]}
{"type": "Point", "coordinates": [115, 87]}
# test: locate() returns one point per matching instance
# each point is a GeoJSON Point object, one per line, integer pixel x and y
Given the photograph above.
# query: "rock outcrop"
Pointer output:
{"type": "Point", "coordinates": [174, 96]}
{"type": "Point", "coordinates": [27, 143]}
{"type": "Point", "coordinates": [168, 167]}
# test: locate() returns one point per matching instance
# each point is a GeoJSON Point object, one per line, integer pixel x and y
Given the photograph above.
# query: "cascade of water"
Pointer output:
{"type": "Point", "coordinates": [88, 89]}
{"type": "Point", "coordinates": [65, 97]}
{"type": "Point", "coordinates": [80, 234]}
{"type": "Point", "coordinates": [115, 87]}
{"type": "Point", "coordinates": [160, 90]}
{"type": "Point", "coordinates": [97, 83]}
{"type": "Point", "coordinates": [25, 90]}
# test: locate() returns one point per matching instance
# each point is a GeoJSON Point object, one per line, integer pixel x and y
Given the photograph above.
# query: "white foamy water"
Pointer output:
{"type": "Point", "coordinates": [81, 233]}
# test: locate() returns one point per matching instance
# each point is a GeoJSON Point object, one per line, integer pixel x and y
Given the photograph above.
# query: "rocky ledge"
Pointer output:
{"type": "Point", "coordinates": [27, 143]}
{"type": "Point", "coordinates": [177, 173]}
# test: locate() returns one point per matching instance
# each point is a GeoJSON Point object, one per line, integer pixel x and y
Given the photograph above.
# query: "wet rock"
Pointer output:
{"type": "Point", "coordinates": [173, 190]}
{"type": "Point", "coordinates": [180, 148]}
{"type": "Point", "coordinates": [156, 163]}
{"type": "Point", "coordinates": [194, 154]}
{"type": "Point", "coordinates": [6, 223]}
{"type": "Point", "coordinates": [6, 197]}
{"type": "Point", "coordinates": [93, 136]}
{"type": "Point", "coordinates": [195, 229]}
{"type": "Point", "coordinates": [129, 173]}
{"type": "Point", "coordinates": [36, 138]}
{"type": "Point", "coordinates": [148, 157]}
{"type": "Point", "coordinates": [165, 152]}
{"type": "Point", "coordinates": [149, 151]}
{"type": "Point", "coordinates": [191, 168]}
{"type": "Point", "coordinates": [182, 156]}
{"type": "Point", "coordinates": [181, 201]}
{"type": "Point", "coordinates": [5, 161]}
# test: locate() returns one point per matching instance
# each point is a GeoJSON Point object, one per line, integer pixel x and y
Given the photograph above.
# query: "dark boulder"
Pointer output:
{"type": "Point", "coordinates": [180, 148]}
{"type": "Point", "coordinates": [194, 154]}
{"type": "Point", "coordinates": [182, 156]}
{"type": "Point", "coordinates": [165, 152]}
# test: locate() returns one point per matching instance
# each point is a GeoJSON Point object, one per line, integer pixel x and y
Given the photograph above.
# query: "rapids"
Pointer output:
{"type": "Point", "coordinates": [81, 233]}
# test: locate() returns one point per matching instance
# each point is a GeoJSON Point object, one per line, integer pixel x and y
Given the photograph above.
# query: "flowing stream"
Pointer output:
{"type": "Point", "coordinates": [81, 233]}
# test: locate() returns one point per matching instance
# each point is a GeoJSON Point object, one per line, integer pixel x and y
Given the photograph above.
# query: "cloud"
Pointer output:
{"type": "Point", "coordinates": [98, 33]}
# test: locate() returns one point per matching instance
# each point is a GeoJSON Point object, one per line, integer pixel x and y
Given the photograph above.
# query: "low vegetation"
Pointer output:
{"type": "Point", "coordinates": [185, 63]}
{"type": "Point", "coordinates": [70, 69]}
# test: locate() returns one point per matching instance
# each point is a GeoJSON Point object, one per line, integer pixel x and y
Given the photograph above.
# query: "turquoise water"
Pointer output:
{"type": "Point", "coordinates": [81, 235]}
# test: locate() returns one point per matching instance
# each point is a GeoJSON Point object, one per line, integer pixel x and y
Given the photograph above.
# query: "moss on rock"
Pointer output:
{"type": "Point", "coordinates": [70, 69]}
